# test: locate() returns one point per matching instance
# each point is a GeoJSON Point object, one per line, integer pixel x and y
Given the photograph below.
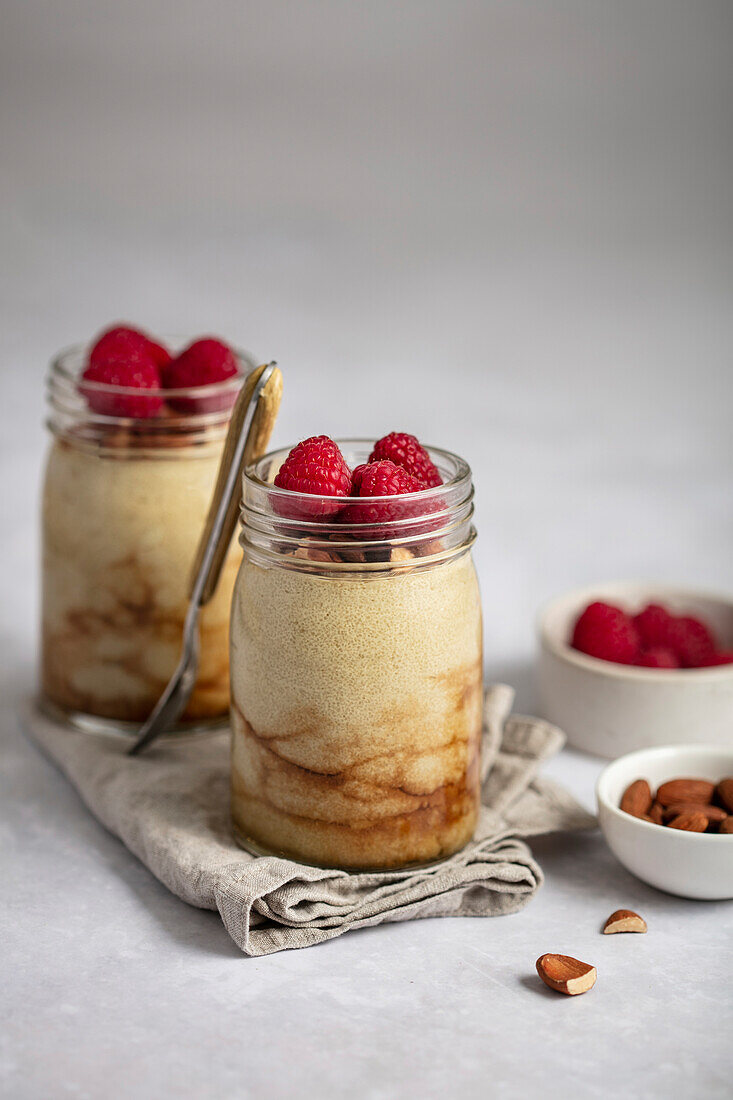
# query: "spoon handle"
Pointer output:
{"type": "Point", "coordinates": [250, 428]}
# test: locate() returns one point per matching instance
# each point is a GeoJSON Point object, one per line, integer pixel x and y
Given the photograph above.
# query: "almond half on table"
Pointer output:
{"type": "Point", "coordinates": [624, 920]}
{"type": "Point", "coordinates": [565, 974]}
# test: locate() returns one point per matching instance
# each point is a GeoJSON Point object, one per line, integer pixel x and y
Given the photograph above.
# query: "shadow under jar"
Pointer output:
{"type": "Point", "coordinates": [356, 672]}
{"type": "Point", "coordinates": [124, 504]}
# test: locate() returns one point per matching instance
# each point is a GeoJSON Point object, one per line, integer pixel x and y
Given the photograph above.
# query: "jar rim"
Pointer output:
{"type": "Point", "coordinates": [430, 524]}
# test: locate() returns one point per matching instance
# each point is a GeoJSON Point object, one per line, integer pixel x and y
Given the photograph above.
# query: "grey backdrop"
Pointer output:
{"type": "Point", "coordinates": [506, 227]}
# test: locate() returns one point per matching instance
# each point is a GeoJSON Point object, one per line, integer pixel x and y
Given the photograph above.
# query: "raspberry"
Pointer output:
{"type": "Point", "coordinates": [690, 641]}
{"type": "Point", "coordinates": [721, 657]}
{"type": "Point", "coordinates": [606, 632]}
{"type": "Point", "coordinates": [356, 476]}
{"type": "Point", "coordinates": [131, 370]}
{"type": "Point", "coordinates": [316, 467]}
{"type": "Point", "coordinates": [657, 657]}
{"type": "Point", "coordinates": [202, 363]}
{"type": "Point", "coordinates": [161, 356]}
{"type": "Point", "coordinates": [385, 479]}
{"type": "Point", "coordinates": [405, 451]}
{"type": "Point", "coordinates": [653, 625]}
{"type": "Point", "coordinates": [120, 342]}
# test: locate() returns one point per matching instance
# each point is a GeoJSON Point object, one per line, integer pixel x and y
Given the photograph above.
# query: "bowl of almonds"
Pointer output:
{"type": "Point", "coordinates": [667, 816]}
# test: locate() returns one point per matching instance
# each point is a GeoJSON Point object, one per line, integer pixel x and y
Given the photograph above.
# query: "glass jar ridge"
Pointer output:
{"type": "Point", "coordinates": [415, 529]}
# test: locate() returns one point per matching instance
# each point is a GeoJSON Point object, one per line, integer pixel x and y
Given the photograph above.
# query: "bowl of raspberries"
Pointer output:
{"type": "Point", "coordinates": [626, 666]}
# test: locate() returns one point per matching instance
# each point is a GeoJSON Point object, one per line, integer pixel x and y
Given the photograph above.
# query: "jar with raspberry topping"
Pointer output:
{"type": "Point", "coordinates": [129, 477]}
{"type": "Point", "coordinates": [356, 671]}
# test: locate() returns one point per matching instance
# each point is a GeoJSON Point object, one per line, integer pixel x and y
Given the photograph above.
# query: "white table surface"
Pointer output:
{"type": "Point", "coordinates": [506, 228]}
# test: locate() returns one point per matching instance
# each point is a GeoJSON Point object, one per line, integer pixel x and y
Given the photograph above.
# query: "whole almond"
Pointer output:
{"type": "Point", "coordinates": [689, 822]}
{"type": "Point", "coordinates": [726, 826]}
{"type": "Point", "coordinates": [686, 790]}
{"type": "Point", "coordinates": [566, 974]}
{"type": "Point", "coordinates": [624, 920]}
{"type": "Point", "coordinates": [724, 791]}
{"type": "Point", "coordinates": [656, 813]}
{"type": "Point", "coordinates": [714, 814]}
{"type": "Point", "coordinates": [637, 798]}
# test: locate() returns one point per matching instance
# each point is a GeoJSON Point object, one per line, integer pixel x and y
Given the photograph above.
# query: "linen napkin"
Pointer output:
{"type": "Point", "coordinates": [171, 808]}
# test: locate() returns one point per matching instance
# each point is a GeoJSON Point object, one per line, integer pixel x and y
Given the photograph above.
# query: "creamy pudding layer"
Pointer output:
{"type": "Point", "coordinates": [120, 535]}
{"type": "Point", "coordinates": [356, 713]}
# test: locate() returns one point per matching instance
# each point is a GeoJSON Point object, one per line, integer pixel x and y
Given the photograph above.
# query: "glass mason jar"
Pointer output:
{"type": "Point", "coordinates": [356, 673]}
{"type": "Point", "coordinates": [124, 504]}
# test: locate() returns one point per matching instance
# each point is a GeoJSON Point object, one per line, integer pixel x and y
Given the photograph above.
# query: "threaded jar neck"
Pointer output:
{"type": "Point", "coordinates": [411, 531]}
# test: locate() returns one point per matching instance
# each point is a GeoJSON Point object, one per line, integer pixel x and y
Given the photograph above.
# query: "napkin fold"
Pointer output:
{"type": "Point", "coordinates": [171, 808]}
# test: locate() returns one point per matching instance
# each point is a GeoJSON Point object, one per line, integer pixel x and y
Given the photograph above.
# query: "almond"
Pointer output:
{"type": "Point", "coordinates": [714, 814]}
{"type": "Point", "coordinates": [656, 813]}
{"type": "Point", "coordinates": [310, 553]}
{"type": "Point", "coordinates": [689, 822]}
{"type": "Point", "coordinates": [637, 798]}
{"type": "Point", "coordinates": [430, 548]}
{"type": "Point", "coordinates": [401, 553]}
{"type": "Point", "coordinates": [565, 974]}
{"type": "Point", "coordinates": [624, 920]}
{"type": "Point", "coordinates": [686, 790]}
{"type": "Point", "coordinates": [726, 826]}
{"type": "Point", "coordinates": [724, 791]}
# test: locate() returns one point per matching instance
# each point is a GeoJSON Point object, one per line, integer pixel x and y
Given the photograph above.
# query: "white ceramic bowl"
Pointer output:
{"type": "Point", "coordinates": [610, 709]}
{"type": "Point", "coordinates": [693, 865]}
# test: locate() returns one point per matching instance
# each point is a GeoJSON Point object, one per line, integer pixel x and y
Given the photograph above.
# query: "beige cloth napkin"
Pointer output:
{"type": "Point", "coordinates": [171, 808]}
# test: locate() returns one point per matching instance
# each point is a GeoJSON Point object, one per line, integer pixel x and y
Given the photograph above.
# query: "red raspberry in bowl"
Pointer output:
{"type": "Point", "coordinates": [317, 468]}
{"type": "Point", "coordinates": [721, 657]}
{"type": "Point", "coordinates": [202, 363]}
{"type": "Point", "coordinates": [690, 640]}
{"type": "Point", "coordinates": [657, 657]}
{"type": "Point", "coordinates": [130, 370]}
{"type": "Point", "coordinates": [653, 625]}
{"type": "Point", "coordinates": [406, 451]}
{"type": "Point", "coordinates": [606, 632]}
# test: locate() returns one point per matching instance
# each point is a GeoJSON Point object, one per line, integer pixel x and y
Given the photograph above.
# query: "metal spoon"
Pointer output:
{"type": "Point", "coordinates": [249, 432]}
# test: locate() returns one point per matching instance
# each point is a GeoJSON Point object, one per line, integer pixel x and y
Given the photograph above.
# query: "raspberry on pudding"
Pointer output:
{"type": "Point", "coordinates": [407, 451]}
{"type": "Point", "coordinates": [128, 482]}
{"type": "Point", "coordinates": [356, 660]}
